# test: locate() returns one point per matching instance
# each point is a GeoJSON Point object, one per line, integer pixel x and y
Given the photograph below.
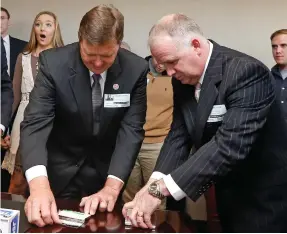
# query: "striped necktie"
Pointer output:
{"type": "Point", "coordinates": [96, 102]}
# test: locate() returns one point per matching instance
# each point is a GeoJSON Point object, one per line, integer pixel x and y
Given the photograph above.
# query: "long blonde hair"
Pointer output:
{"type": "Point", "coordinates": [57, 40]}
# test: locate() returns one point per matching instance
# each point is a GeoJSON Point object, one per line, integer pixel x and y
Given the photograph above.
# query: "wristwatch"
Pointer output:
{"type": "Point", "coordinates": [154, 190]}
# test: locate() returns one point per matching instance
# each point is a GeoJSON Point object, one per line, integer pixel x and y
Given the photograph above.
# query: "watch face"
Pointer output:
{"type": "Point", "coordinates": [153, 187]}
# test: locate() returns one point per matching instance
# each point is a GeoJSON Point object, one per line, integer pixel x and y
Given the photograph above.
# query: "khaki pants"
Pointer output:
{"type": "Point", "coordinates": [18, 182]}
{"type": "Point", "coordinates": [142, 171]}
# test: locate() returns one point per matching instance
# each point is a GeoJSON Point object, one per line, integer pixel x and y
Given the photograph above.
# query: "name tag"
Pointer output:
{"type": "Point", "coordinates": [217, 113]}
{"type": "Point", "coordinates": [117, 100]}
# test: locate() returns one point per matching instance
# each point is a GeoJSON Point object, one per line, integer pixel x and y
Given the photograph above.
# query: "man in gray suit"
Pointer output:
{"type": "Point", "coordinates": [75, 143]}
{"type": "Point", "coordinates": [227, 130]}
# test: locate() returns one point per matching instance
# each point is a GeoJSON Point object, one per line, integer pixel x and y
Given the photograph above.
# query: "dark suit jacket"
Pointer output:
{"type": "Point", "coordinates": [57, 127]}
{"type": "Point", "coordinates": [16, 47]}
{"type": "Point", "coordinates": [243, 154]}
{"type": "Point", "coordinates": [6, 89]}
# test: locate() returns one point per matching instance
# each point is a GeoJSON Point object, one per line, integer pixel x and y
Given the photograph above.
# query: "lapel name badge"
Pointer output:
{"type": "Point", "coordinates": [116, 86]}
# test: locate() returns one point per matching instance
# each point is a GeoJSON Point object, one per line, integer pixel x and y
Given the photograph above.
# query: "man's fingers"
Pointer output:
{"type": "Point", "coordinates": [36, 214]}
{"type": "Point", "coordinates": [126, 207]}
{"type": "Point", "coordinates": [111, 204]}
{"type": "Point", "coordinates": [54, 213]}
{"type": "Point", "coordinates": [87, 207]}
{"type": "Point", "coordinates": [133, 217]}
{"type": "Point", "coordinates": [83, 201]}
{"type": "Point", "coordinates": [28, 211]}
{"type": "Point", "coordinates": [140, 222]}
{"type": "Point", "coordinates": [46, 212]}
{"type": "Point", "coordinates": [103, 206]}
{"type": "Point", "coordinates": [94, 205]}
{"type": "Point", "coordinates": [147, 220]}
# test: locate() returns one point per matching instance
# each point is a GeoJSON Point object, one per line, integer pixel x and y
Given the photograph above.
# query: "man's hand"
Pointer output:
{"type": "Point", "coordinates": [103, 200]}
{"type": "Point", "coordinates": [143, 206]}
{"type": "Point", "coordinates": [139, 194]}
{"type": "Point", "coordinates": [5, 142]}
{"type": "Point", "coordinates": [41, 208]}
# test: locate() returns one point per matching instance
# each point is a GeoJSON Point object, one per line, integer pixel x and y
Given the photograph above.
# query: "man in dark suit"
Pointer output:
{"type": "Point", "coordinates": [227, 130]}
{"type": "Point", "coordinates": [12, 45]}
{"type": "Point", "coordinates": [6, 108]}
{"type": "Point", "coordinates": [74, 142]}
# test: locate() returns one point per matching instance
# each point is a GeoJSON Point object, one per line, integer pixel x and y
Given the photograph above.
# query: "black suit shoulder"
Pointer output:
{"type": "Point", "coordinates": [231, 56]}
{"type": "Point", "coordinates": [131, 60]}
{"type": "Point", "coordinates": [61, 52]}
{"type": "Point", "coordinates": [56, 60]}
{"type": "Point", "coordinates": [18, 42]}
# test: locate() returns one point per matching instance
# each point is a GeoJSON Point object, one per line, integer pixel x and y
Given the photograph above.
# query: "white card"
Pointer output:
{"type": "Point", "coordinates": [217, 113]}
{"type": "Point", "coordinates": [73, 215]}
{"type": "Point", "coordinates": [72, 218]}
{"type": "Point", "coordinates": [117, 100]}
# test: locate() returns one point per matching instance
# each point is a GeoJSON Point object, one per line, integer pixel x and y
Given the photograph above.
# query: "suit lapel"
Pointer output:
{"type": "Point", "coordinates": [190, 107]}
{"type": "Point", "coordinates": [81, 86]}
{"type": "Point", "coordinates": [208, 93]}
{"type": "Point", "coordinates": [12, 46]}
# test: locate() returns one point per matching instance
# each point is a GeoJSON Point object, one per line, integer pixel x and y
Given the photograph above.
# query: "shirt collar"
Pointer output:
{"type": "Point", "coordinates": [103, 75]}
{"type": "Point", "coordinates": [6, 39]}
{"type": "Point", "coordinates": [207, 62]}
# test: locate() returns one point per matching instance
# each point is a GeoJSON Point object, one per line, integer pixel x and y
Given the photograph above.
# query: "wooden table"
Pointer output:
{"type": "Point", "coordinates": [166, 221]}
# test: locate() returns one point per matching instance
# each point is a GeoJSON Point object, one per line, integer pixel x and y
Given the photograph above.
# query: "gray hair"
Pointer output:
{"type": "Point", "coordinates": [125, 45]}
{"type": "Point", "coordinates": [178, 26]}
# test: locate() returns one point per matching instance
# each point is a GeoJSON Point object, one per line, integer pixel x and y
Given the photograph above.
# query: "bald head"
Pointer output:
{"type": "Point", "coordinates": [179, 27]}
{"type": "Point", "coordinates": [177, 42]}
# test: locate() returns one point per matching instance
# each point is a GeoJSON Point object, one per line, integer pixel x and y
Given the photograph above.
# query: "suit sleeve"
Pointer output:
{"type": "Point", "coordinates": [17, 83]}
{"type": "Point", "coordinates": [248, 102]}
{"type": "Point", "coordinates": [177, 144]}
{"type": "Point", "coordinates": [38, 118]}
{"type": "Point", "coordinates": [6, 90]}
{"type": "Point", "coordinates": [131, 132]}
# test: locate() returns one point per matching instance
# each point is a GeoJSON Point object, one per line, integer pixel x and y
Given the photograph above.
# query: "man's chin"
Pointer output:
{"type": "Point", "coordinates": [185, 81]}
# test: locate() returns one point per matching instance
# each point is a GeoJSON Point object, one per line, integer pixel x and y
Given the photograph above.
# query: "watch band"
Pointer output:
{"type": "Point", "coordinates": [155, 192]}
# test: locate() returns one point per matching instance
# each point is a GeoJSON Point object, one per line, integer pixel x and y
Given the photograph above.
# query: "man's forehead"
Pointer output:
{"type": "Point", "coordinates": [3, 13]}
{"type": "Point", "coordinates": [164, 57]}
{"type": "Point", "coordinates": [279, 38]}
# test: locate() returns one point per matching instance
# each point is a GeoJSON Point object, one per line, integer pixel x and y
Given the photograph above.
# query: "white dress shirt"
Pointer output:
{"type": "Point", "coordinates": [172, 187]}
{"type": "Point", "coordinates": [40, 170]}
{"type": "Point", "coordinates": [6, 41]}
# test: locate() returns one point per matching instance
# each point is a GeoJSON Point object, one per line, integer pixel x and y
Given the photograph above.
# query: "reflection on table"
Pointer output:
{"type": "Point", "coordinates": [166, 221]}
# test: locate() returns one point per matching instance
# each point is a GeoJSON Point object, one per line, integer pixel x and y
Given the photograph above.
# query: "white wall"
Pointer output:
{"type": "Point", "coordinates": [245, 25]}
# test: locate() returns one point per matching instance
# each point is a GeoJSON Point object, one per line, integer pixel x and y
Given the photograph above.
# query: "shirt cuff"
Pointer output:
{"type": "Point", "coordinates": [173, 188]}
{"type": "Point", "coordinates": [116, 178]}
{"type": "Point", "coordinates": [36, 171]}
{"type": "Point", "coordinates": [2, 127]}
{"type": "Point", "coordinates": [157, 175]}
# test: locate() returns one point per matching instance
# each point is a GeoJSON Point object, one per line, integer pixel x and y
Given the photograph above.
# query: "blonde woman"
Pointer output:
{"type": "Point", "coordinates": [45, 34]}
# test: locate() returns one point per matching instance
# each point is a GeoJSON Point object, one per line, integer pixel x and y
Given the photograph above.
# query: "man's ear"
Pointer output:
{"type": "Point", "coordinates": [195, 44]}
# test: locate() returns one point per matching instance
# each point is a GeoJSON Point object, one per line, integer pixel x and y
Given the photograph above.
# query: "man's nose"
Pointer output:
{"type": "Point", "coordinates": [170, 71]}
